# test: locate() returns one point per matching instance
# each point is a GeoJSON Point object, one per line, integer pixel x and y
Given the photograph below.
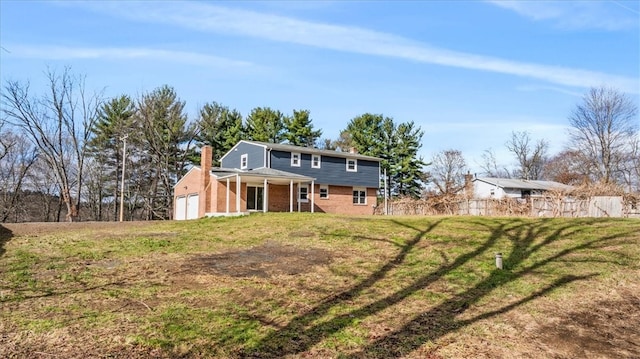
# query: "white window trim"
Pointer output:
{"type": "Point", "coordinates": [300, 187]}
{"type": "Point", "coordinates": [244, 161]}
{"type": "Point", "coordinates": [313, 160]}
{"type": "Point", "coordinates": [323, 186]}
{"type": "Point", "coordinates": [294, 155]}
{"type": "Point", "coordinates": [360, 189]}
{"type": "Point", "coordinates": [355, 165]}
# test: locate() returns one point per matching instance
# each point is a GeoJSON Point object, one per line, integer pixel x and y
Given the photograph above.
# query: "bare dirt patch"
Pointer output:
{"type": "Point", "coordinates": [608, 329]}
{"type": "Point", "coordinates": [266, 260]}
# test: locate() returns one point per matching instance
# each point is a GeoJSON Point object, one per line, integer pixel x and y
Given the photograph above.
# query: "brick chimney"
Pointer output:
{"type": "Point", "coordinates": [468, 185]}
{"type": "Point", "coordinates": [206, 159]}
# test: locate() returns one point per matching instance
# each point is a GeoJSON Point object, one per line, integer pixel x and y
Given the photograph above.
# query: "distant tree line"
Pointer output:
{"type": "Point", "coordinates": [603, 147]}
{"type": "Point", "coordinates": [62, 152]}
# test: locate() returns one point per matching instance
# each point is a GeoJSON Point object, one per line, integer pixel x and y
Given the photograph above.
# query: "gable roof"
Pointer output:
{"type": "Point", "coordinates": [523, 184]}
{"type": "Point", "coordinates": [309, 150]}
{"type": "Point", "coordinates": [194, 168]}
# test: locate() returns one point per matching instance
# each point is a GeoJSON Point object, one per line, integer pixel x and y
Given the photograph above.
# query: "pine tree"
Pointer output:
{"type": "Point", "coordinates": [220, 128]}
{"type": "Point", "coordinates": [115, 120]}
{"type": "Point", "coordinates": [396, 145]}
{"type": "Point", "coordinates": [408, 175]}
{"type": "Point", "coordinates": [166, 142]}
{"type": "Point", "coordinates": [299, 129]}
{"type": "Point", "coordinates": [366, 134]}
{"type": "Point", "coordinates": [265, 125]}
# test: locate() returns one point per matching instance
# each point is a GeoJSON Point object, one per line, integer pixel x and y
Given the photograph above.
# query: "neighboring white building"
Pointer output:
{"type": "Point", "coordinates": [490, 187]}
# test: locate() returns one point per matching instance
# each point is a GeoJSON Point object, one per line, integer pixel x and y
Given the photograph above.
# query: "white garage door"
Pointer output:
{"type": "Point", "coordinates": [181, 208]}
{"type": "Point", "coordinates": [192, 206]}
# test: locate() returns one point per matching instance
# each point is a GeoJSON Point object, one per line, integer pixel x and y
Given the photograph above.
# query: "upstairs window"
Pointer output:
{"type": "Point", "coordinates": [352, 165]}
{"type": "Point", "coordinates": [315, 161]}
{"type": "Point", "coordinates": [244, 160]}
{"type": "Point", "coordinates": [295, 160]}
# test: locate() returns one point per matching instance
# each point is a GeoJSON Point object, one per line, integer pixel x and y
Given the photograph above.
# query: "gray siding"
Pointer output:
{"type": "Point", "coordinates": [256, 155]}
{"type": "Point", "coordinates": [333, 170]}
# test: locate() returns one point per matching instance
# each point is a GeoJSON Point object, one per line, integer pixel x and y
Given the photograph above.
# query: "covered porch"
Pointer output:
{"type": "Point", "coordinates": [237, 192]}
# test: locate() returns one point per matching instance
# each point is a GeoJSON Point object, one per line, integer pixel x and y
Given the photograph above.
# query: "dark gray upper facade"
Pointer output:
{"type": "Point", "coordinates": [332, 165]}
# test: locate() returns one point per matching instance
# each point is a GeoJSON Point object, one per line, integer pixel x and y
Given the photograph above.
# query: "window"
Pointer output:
{"type": "Point", "coordinates": [352, 165]}
{"type": "Point", "coordinates": [244, 160]}
{"type": "Point", "coordinates": [303, 193]}
{"type": "Point", "coordinates": [359, 195]}
{"type": "Point", "coordinates": [324, 192]}
{"type": "Point", "coordinates": [295, 159]}
{"type": "Point", "coordinates": [315, 161]}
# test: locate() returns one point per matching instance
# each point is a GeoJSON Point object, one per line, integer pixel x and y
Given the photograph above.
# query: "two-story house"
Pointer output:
{"type": "Point", "coordinates": [258, 176]}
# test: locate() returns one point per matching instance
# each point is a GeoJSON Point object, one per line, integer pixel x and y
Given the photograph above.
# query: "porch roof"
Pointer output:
{"type": "Point", "coordinates": [261, 173]}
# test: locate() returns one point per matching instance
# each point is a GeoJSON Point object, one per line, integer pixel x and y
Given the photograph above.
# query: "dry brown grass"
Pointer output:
{"type": "Point", "coordinates": [321, 286]}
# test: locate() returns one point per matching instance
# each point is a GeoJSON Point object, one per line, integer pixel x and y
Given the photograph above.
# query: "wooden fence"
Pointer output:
{"type": "Point", "coordinates": [596, 206]}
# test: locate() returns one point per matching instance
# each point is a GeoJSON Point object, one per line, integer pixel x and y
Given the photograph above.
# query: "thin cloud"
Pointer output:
{"type": "Point", "coordinates": [575, 15]}
{"type": "Point", "coordinates": [112, 53]}
{"type": "Point", "coordinates": [216, 19]}
{"type": "Point", "coordinates": [532, 88]}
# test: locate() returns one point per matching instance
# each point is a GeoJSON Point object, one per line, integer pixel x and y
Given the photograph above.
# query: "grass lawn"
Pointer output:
{"type": "Point", "coordinates": [322, 286]}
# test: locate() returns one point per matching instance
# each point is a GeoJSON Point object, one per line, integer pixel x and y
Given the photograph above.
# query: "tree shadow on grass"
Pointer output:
{"type": "Point", "coordinates": [526, 238]}
{"type": "Point", "coordinates": [5, 236]}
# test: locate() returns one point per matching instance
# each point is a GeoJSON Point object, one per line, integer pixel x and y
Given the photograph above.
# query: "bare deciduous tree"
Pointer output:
{"type": "Point", "coordinates": [491, 167]}
{"type": "Point", "coordinates": [565, 168]}
{"type": "Point", "coordinates": [16, 158]}
{"type": "Point", "coordinates": [603, 128]}
{"type": "Point", "coordinates": [59, 125]}
{"type": "Point", "coordinates": [530, 156]}
{"type": "Point", "coordinates": [630, 167]}
{"type": "Point", "coordinates": [448, 169]}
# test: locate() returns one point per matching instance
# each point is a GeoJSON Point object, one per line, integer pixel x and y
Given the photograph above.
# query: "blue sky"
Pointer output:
{"type": "Point", "coordinates": [468, 72]}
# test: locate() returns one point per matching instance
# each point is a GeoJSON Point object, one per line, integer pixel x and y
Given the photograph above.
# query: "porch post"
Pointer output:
{"type": "Point", "coordinates": [227, 198]}
{"type": "Point", "coordinates": [313, 192]}
{"type": "Point", "coordinates": [238, 190]}
{"type": "Point", "coordinates": [265, 194]}
{"type": "Point", "coordinates": [291, 196]}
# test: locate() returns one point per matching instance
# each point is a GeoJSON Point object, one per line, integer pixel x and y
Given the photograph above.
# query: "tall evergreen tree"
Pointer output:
{"type": "Point", "coordinates": [265, 125]}
{"type": "Point", "coordinates": [366, 134]}
{"type": "Point", "coordinates": [166, 142]}
{"type": "Point", "coordinates": [299, 129]}
{"type": "Point", "coordinates": [408, 175]}
{"type": "Point", "coordinates": [115, 120]}
{"type": "Point", "coordinates": [220, 128]}
{"type": "Point", "coordinates": [232, 130]}
{"type": "Point", "coordinates": [396, 145]}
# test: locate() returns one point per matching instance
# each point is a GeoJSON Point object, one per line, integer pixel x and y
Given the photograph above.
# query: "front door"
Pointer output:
{"type": "Point", "coordinates": [255, 198]}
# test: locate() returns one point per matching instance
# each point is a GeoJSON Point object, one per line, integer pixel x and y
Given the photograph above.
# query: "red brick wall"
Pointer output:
{"type": "Point", "coordinates": [341, 201]}
{"type": "Point", "coordinates": [279, 198]}
{"type": "Point", "coordinates": [189, 184]}
{"type": "Point", "coordinates": [340, 197]}
{"type": "Point", "coordinates": [219, 202]}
